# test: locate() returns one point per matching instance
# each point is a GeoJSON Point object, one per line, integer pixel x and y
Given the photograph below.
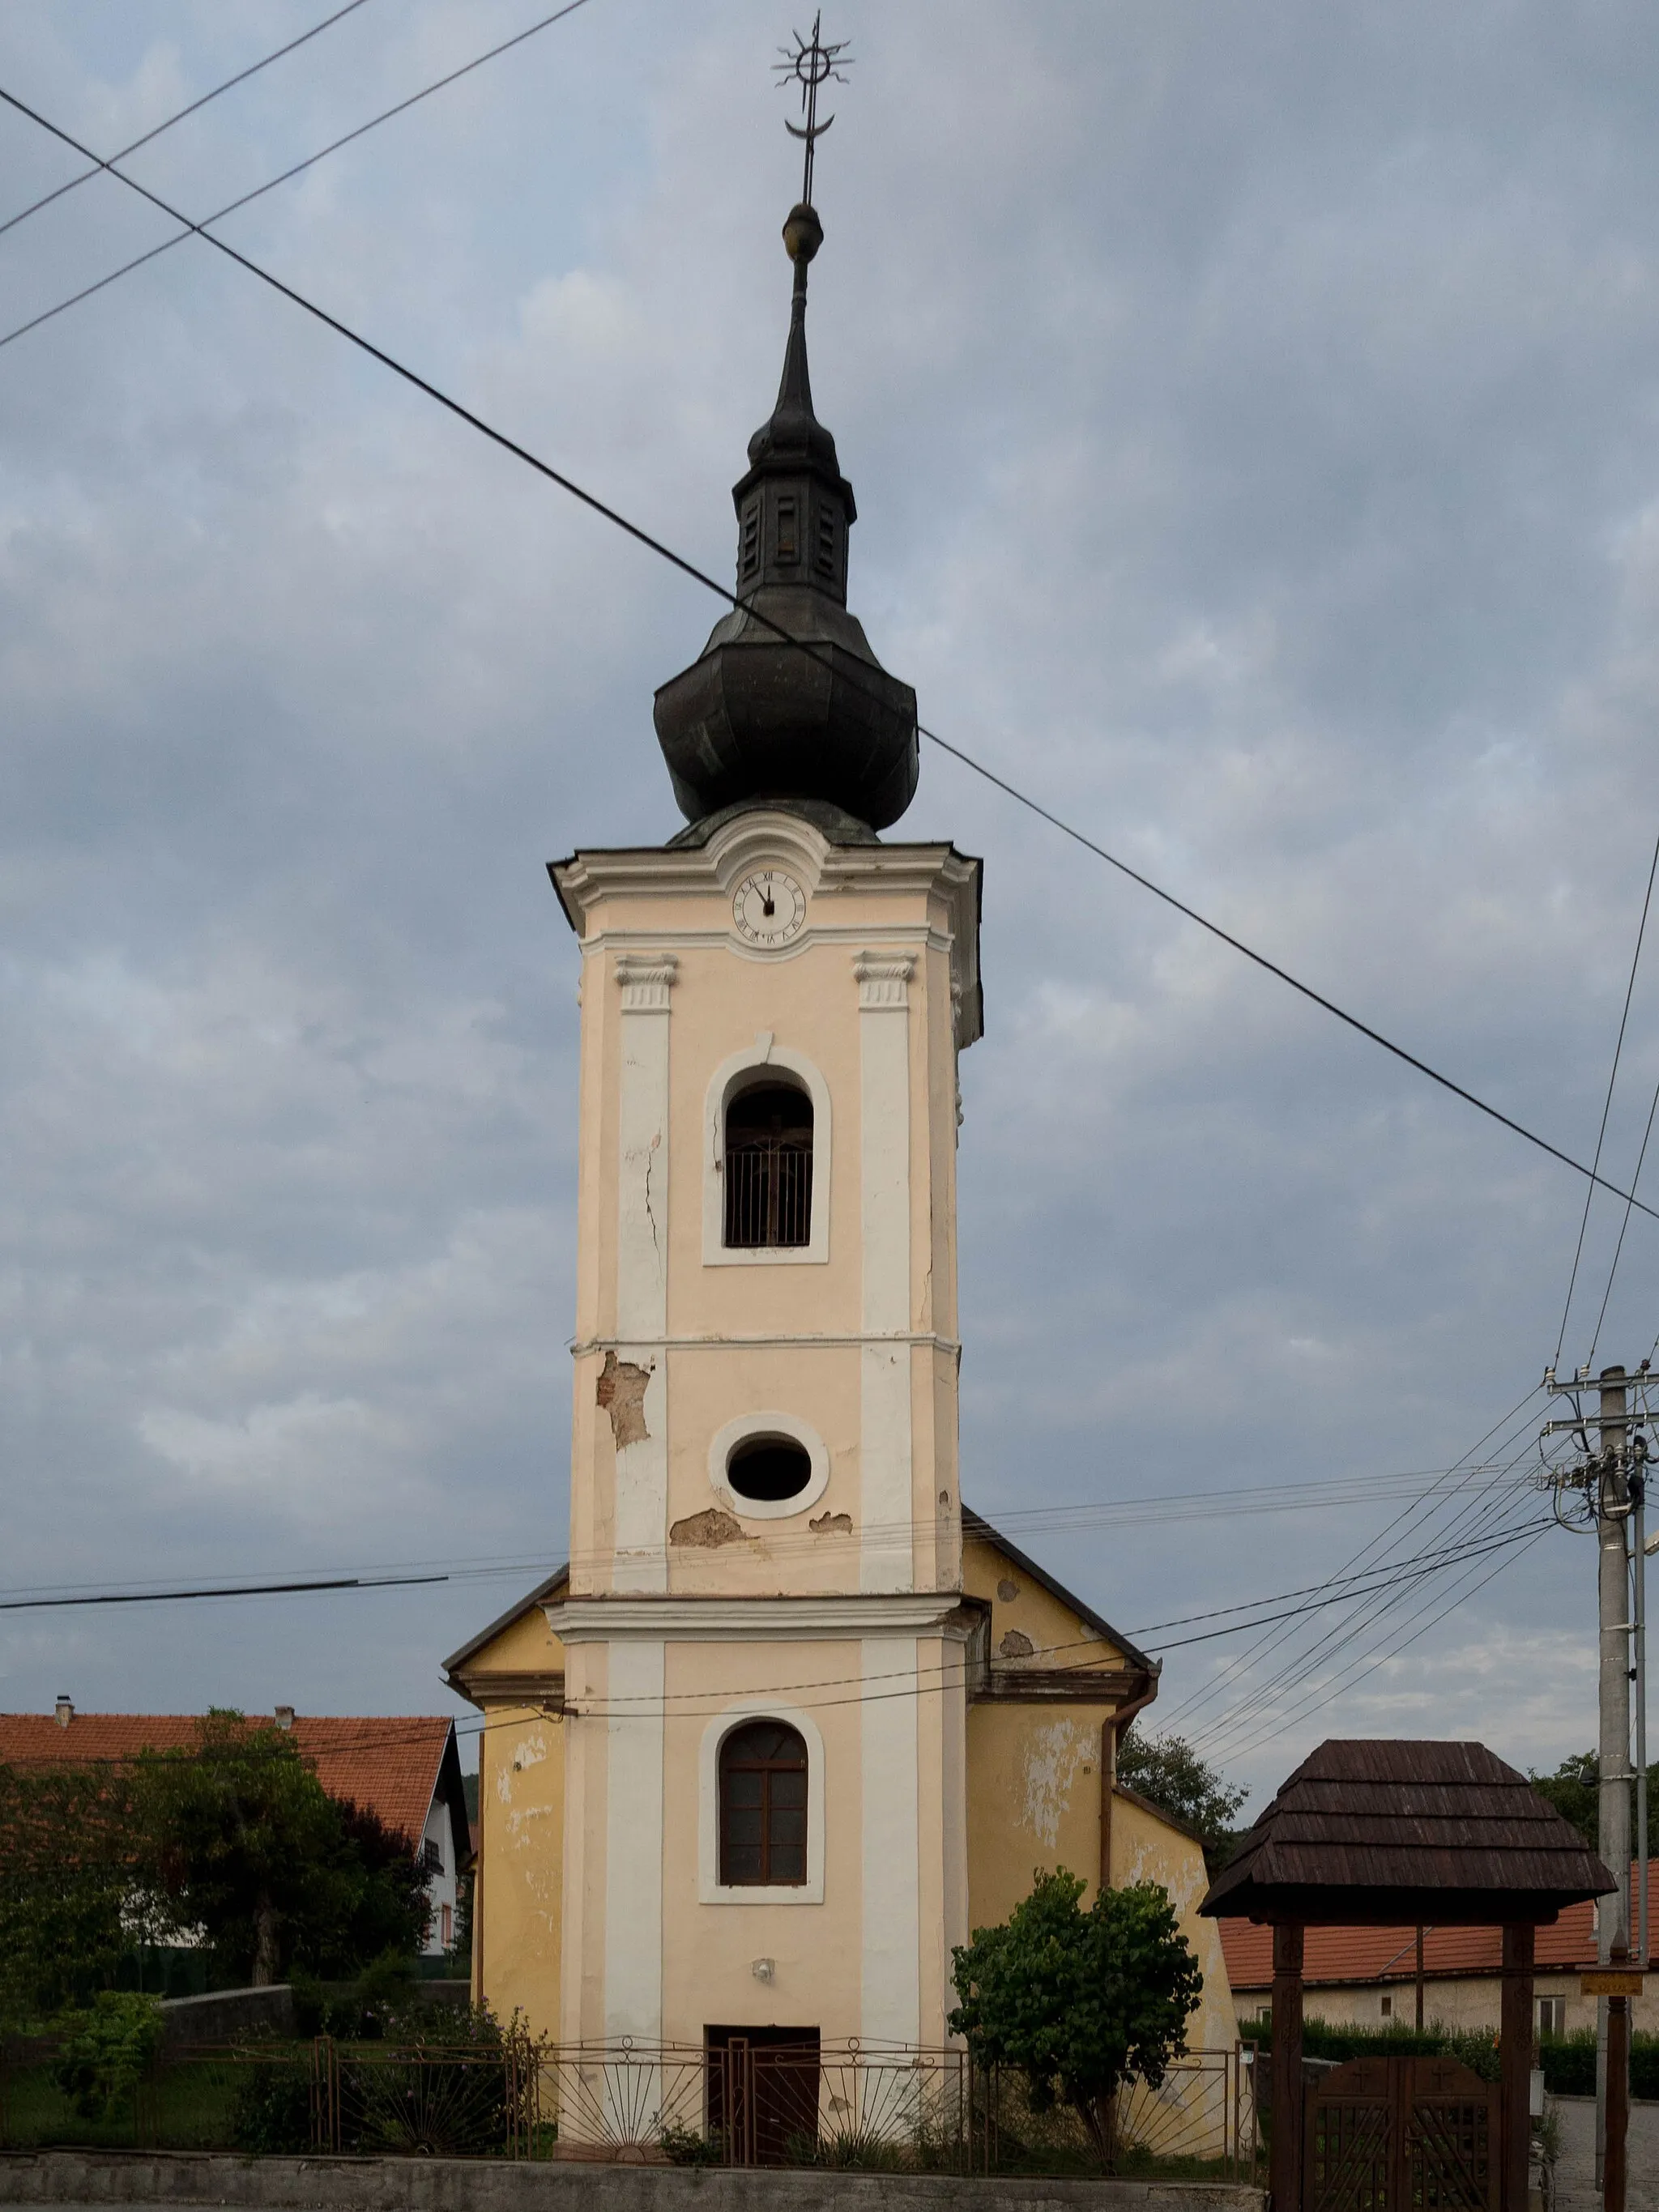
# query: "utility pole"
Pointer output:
{"type": "Point", "coordinates": [1613, 1610]}
{"type": "Point", "coordinates": [1611, 1484]}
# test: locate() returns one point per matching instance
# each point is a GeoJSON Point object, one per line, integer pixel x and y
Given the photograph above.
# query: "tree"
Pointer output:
{"type": "Point", "coordinates": [241, 1841]}
{"type": "Point", "coordinates": [1168, 1770]}
{"type": "Point", "coordinates": [68, 1888]}
{"type": "Point", "coordinates": [1079, 2001]}
{"type": "Point", "coordinates": [1574, 1790]}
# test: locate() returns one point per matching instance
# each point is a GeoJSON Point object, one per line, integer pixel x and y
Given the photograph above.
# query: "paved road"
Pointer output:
{"type": "Point", "coordinates": [1575, 2177]}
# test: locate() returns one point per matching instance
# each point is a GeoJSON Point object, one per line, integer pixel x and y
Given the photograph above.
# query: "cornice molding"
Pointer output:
{"type": "Point", "coordinates": [759, 1620]}
{"type": "Point", "coordinates": [587, 879]}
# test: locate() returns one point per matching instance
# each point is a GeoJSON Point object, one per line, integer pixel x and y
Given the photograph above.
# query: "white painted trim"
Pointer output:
{"type": "Point", "coordinates": [726, 1441]}
{"type": "Point", "coordinates": [890, 1975]}
{"type": "Point", "coordinates": [640, 1518]}
{"type": "Point", "coordinates": [710, 1891]}
{"type": "Point", "coordinates": [633, 1844]}
{"type": "Point", "coordinates": [760, 1620]}
{"type": "Point", "coordinates": [885, 1442]}
{"type": "Point", "coordinates": [765, 1052]}
{"type": "Point", "coordinates": [928, 1338]}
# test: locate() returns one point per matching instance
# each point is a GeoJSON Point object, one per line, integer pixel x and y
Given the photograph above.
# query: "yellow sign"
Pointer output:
{"type": "Point", "coordinates": [1608, 1983]}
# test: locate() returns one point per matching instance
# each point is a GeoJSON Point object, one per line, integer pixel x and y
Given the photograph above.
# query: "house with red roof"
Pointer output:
{"type": "Point", "coordinates": [1367, 1977]}
{"type": "Point", "coordinates": [406, 1768]}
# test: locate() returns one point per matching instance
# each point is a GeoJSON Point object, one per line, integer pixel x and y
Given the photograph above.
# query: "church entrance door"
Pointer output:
{"type": "Point", "coordinates": [762, 2092]}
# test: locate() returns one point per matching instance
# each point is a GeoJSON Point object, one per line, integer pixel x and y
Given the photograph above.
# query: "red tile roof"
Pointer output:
{"type": "Point", "coordinates": [389, 1765]}
{"type": "Point", "coordinates": [1389, 1955]}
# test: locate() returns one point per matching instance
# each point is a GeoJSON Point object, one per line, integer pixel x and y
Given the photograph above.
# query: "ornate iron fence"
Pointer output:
{"type": "Point", "coordinates": [741, 2101]}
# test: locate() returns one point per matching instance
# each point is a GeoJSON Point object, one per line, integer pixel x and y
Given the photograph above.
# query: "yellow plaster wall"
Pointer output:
{"type": "Point", "coordinates": [1057, 1637]}
{"type": "Point", "coordinates": [519, 1904]}
{"type": "Point", "coordinates": [1033, 1801]}
{"type": "Point", "coordinates": [1146, 1848]}
{"type": "Point", "coordinates": [521, 1821]}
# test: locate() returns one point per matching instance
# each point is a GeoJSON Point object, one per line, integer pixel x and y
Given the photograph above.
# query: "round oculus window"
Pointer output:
{"type": "Point", "coordinates": [768, 1469]}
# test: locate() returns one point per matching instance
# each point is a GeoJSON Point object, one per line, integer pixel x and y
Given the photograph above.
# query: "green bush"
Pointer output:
{"type": "Point", "coordinates": [106, 2052]}
{"type": "Point", "coordinates": [271, 2113]}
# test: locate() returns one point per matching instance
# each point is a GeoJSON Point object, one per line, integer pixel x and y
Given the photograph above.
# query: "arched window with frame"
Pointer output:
{"type": "Point", "coordinates": [762, 1806]}
{"type": "Point", "coordinates": [769, 1167]}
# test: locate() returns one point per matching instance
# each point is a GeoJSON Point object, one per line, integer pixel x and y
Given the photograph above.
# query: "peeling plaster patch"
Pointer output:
{"type": "Point", "coordinates": [708, 1530]}
{"type": "Point", "coordinates": [1054, 1754]}
{"type": "Point", "coordinates": [1007, 1591]}
{"type": "Point", "coordinates": [832, 1524]}
{"type": "Point", "coordinates": [621, 1391]}
{"type": "Point", "coordinates": [1016, 1644]}
{"type": "Point", "coordinates": [529, 1751]}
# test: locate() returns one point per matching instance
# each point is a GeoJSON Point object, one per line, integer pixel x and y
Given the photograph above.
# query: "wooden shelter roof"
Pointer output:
{"type": "Point", "coordinates": [1368, 1833]}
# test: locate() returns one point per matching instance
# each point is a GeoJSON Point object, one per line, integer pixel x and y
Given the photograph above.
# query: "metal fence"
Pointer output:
{"type": "Point", "coordinates": [737, 2102]}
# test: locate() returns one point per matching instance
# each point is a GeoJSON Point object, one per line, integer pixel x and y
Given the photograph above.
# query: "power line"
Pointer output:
{"type": "Point", "coordinates": [1369, 1664]}
{"type": "Point", "coordinates": [200, 229]}
{"type": "Point", "coordinates": [1263, 1708]}
{"type": "Point", "coordinates": [1218, 1686]}
{"type": "Point", "coordinates": [1370, 1607]}
{"type": "Point", "coordinates": [1607, 1108]}
{"type": "Point", "coordinates": [239, 1590]}
{"type": "Point", "coordinates": [1617, 1249]}
{"type": "Point", "coordinates": [1205, 1504]}
{"type": "Point", "coordinates": [1362, 1617]}
{"type": "Point", "coordinates": [242, 77]}
{"type": "Point", "coordinates": [665, 552]}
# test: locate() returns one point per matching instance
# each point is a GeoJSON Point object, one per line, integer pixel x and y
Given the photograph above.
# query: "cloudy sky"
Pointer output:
{"type": "Point", "coordinates": [1252, 415]}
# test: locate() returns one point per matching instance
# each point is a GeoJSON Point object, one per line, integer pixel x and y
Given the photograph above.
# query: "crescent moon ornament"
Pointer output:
{"type": "Point", "coordinates": [809, 63]}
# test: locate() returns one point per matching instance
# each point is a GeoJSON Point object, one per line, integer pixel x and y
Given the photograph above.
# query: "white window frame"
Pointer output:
{"type": "Point", "coordinates": [790, 1430]}
{"type": "Point", "coordinates": [710, 1889]}
{"type": "Point", "coordinates": [764, 1054]}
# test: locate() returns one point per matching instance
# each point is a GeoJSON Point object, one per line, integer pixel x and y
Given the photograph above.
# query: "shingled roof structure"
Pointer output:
{"type": "Point", "coordinates": [1404, 1833]}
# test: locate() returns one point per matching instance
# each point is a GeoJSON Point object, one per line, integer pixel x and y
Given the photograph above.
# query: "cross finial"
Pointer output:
{"type": "Point", "coordinates": [809, 63]}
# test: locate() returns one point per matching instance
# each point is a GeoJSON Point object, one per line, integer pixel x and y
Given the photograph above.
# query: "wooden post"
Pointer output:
{"type": "Point", "coordinates": [1284, 2160]}
{"type": "Point", "coordinates": [1108, 1781]}
{"type": "Point", "coordinates": [1419, 1981]}
{"type": "Point", "coordinates": [1514, 2053]}
{"type": "Point", "coordinates": [1614, 2168]}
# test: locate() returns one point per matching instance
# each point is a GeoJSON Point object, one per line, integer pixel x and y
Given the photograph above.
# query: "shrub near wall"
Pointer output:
{"type": "Point", "coordinates": [1568, 2061]}
{"type": "Point", "coordinates": [1569, 2064]}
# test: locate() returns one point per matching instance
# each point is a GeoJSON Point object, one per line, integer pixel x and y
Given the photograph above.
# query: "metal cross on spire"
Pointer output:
{"type": "Point", "coordinates": [809, 63]}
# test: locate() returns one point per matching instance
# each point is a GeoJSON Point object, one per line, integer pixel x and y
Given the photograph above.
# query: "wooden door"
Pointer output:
{"type": "Point", "coordinates": [1402, 2135]}
{"type": "Point", "coordinates": [763, 2093]}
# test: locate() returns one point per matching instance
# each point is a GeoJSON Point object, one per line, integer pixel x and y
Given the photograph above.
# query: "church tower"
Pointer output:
{"type": "Point", "coordinates": [764, 1635]}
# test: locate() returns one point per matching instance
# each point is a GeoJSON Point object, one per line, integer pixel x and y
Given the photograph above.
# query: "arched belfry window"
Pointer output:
{"type": "Point", "coordinates": [762, 1806]}
{"type": "Point", "coordinates": [769, 1167]}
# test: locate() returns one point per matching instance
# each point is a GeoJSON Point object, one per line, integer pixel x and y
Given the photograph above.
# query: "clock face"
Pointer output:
{"type": "Point", "coordinates": [769, 908]}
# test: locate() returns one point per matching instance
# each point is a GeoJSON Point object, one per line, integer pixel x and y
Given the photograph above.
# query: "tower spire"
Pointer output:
{"type": "Point", "coordinates": [755, 719]}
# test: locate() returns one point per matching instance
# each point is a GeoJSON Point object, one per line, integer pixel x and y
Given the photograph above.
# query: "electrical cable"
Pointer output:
{"type": "Point", "coordinates": [1206, 1695]}
{"type": "Point", "coordinates": [1607, 1108]}
{"type": "Point", "coordinates": [240, 1590]}
{"type": "Point", "coordinates": [689, 568]}
{"type": "Point", "coordinates": [1265, 1710]}
{"type": "Point", "coordinates": [1048, 1521]}
{"type": "Point", "coordinates": [1361, 1618]}
{"type": "Point", "coordinates": [241, 76]}
{"type": "Point", "coordinates": [1361, 1670]}
{"type": "Point", "coordinates": [1618, 1247]}
{"type": "Point", "coordinates": [200, 229]}
{"type": "Point", "coordinates": [1371, 1607]}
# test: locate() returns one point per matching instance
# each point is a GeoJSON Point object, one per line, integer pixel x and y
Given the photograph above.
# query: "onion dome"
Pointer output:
{"type": "Point", "coordinates": [755, 720]}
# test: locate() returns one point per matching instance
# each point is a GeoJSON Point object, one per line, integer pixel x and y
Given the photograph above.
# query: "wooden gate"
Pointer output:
{"type": "Point", "coordinates": [1402, 2135]}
